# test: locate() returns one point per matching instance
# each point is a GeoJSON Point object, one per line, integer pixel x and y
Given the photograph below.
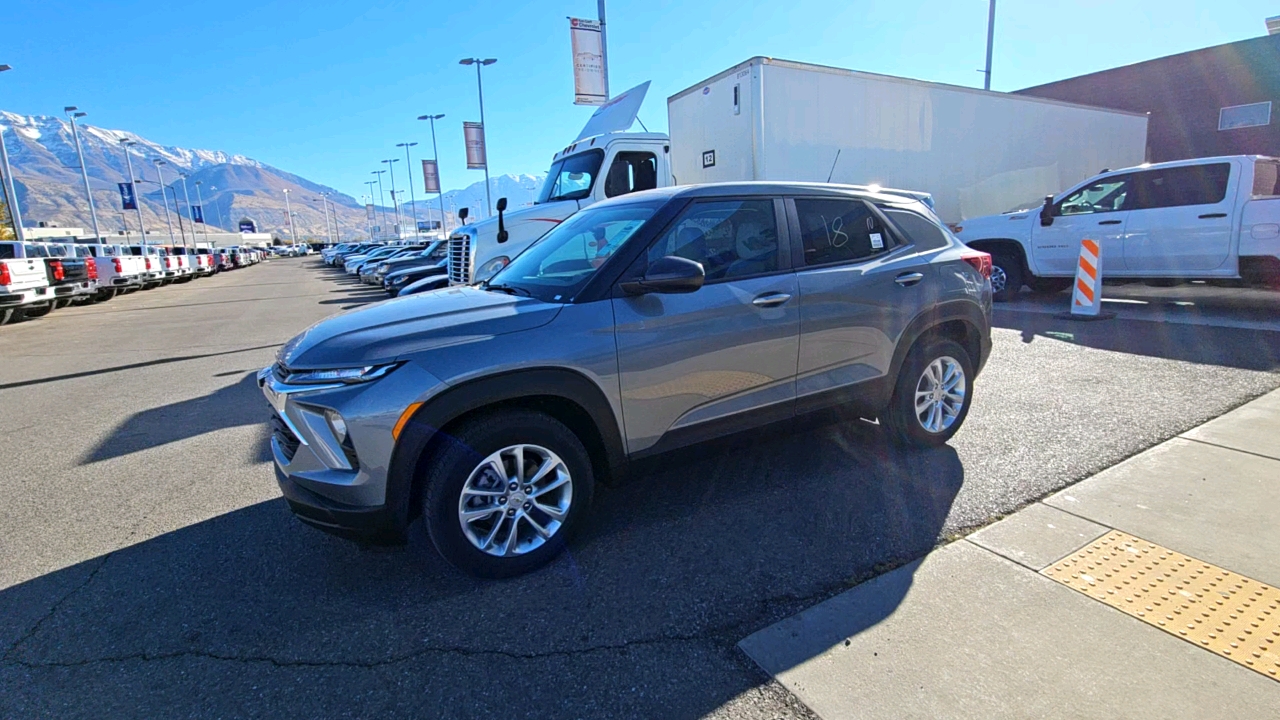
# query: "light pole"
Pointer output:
{"type": "Point", "coordinates": [200, 199]}
{"type": "Point", "coordinates": [177, 209]}
{"type": "Point", "coordinates": [216, 207]}
{"type": "Point", "coordinates": [191, 215]}
{"type": "Point", "coordinates": [436, 157]}
{"type": "Point", "coordinates": [480, 91]}
{"type": "Point", "coordinates": [10, 192]}
{"type": "Point", "coordinates": [126, 143]}
{"type": "Point", "coordinates": [382, 201]}
{"type": "Point", "coordinates": [70, 110]}
{"type": "Point", "coordinates": [991, 36]}
{"type": "Point", "coordinates": [293, 235]}
{"type": "Point", "coordinates": [392, 168]}
{"type": "Point", "coordinates": [370, 220]}
{"type": "Point", "coordinates": [324, 205]}
{"type": "Point", "coordinates": [165, 198]}
{"type": "Point", "coordinates": [408, 167]}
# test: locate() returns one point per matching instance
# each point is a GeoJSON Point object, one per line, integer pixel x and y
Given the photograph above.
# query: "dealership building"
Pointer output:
{"type": "Point", "coordinates": [1203, 103]}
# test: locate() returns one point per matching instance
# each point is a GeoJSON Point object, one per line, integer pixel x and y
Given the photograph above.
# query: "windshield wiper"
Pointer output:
{"type": "Point", "coordinates": [508, 289]}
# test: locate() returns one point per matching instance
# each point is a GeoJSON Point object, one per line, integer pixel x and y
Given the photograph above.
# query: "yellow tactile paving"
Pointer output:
{"type": "Point", "coordinates": [1221, 611]}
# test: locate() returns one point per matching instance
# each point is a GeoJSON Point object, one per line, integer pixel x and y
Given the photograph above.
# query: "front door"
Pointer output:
{"type": "Point", "coordinates": [694, 365]}
{"type": "Point", "coordinates": [1095, 211]}
{"type": "Point", "coordinates": [1181, 219]}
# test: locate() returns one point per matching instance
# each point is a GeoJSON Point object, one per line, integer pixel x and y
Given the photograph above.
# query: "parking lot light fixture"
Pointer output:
{"type": "Point", "coordinates": [165, 197]}
{"type": "Point", "coordinates": [479, 63]}
{"type": "Point", "coordinates": [72, 115]}
{"type": "Point", "coordinates": [126, 143]}
{"type": "Point", "coordinates": [408, 168]}
{"type": "Point", "coordinates": [435, 153]}
{"type": "Point", "coordinates": [293, 234]}
{"type": "Point", "coordinates": [391, 167]}
{"type": "Point", "coordinates": [9, 190]}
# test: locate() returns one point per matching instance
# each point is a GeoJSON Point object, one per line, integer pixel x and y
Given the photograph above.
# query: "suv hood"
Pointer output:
{"type": "Point", "coordinates": [396, 328]}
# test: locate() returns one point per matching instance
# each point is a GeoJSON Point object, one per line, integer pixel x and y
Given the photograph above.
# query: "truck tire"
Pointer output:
{"type": "Point", "coordinates": [940, 373]}
{"type": "Point", "coordinates": [1049, 286]}
{"type": "Point", "coordinates": [1006, 277]}
{"type": "Point", "coordinates": [500, 525]}
{"type": "Point", "coordinates": [34, 311]}
{"type": "Point", "coordinates": [6, 315]}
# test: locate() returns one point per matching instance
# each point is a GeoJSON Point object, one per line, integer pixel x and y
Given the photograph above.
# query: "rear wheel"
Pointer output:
{"type": "Point", "coordinates": [59, 304]}
{"type": "Point", "coordinates": [1006, 277]}
{"type": "Point", "coordinates": [932, 395]}
{"type": "Point", "coordinates": [505, 493]}
{"type": "Point", "coordinates": [35, 311]}
{"type": "Point", "coordinates": [6, 315]}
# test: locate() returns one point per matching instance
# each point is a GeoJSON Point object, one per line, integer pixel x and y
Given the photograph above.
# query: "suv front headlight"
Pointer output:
{"type": "Point", "coordinates": [347, 376]}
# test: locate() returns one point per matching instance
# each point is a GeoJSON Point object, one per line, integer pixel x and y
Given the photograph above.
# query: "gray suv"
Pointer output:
{"type": "Point", "coordinates": [637, 326]}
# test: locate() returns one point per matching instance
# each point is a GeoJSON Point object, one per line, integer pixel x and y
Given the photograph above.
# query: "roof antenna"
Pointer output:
{"type": "Point", "coordinates": [833, 165]}
{"type": "Point", "coordinates": [641, 123]}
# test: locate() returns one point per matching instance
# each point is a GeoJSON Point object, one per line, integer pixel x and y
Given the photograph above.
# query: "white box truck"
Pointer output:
{"type": "Point", "coordinates": [975, 152]}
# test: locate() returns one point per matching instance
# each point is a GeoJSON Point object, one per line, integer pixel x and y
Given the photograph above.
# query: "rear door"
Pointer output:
{"type": "Point", "coordinates": [1181, 219]}
{"type": "Point", "coordinates": [860, 285]}
{"type": "Point", "coordinates": [703, 363]}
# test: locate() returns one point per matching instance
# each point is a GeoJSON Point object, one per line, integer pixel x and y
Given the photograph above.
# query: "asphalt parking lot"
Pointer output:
{"type": "Point", "coordinates": [149, 568]}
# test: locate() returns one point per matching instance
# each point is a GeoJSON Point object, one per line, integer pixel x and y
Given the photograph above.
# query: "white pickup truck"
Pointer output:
{"type": "Point", "coordinates": [118, 270]}
{"type": "Point", "coordinates": [24, 284]}
{"type": "Point", "coordinates": [155, 270]}
{"type": "Point", "coordinates": [1205, 219]}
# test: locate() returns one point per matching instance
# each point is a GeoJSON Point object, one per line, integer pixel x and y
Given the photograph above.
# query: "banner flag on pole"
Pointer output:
{"type": "Point", "coordinates": [369, 212]}
{"type": "Point", "coordinates": [430, 176]}
{"type": "Point", "coordinates": [197, 214]}
{"type": "Point", "coordinates": [473, 133]}
{"type": "Point", "coordinates": [589, 86]}
{"type": "Point", "coordinates": [128, 200]}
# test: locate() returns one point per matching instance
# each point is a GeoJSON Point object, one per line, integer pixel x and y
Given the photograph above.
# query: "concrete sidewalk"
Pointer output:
{"type": "Point", "coordinates": [1148, 590]}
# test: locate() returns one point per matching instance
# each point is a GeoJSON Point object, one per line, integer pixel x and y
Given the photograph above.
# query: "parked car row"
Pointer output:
{"type": "Point", "coordinates": [39, 277]}
{"type": "Point", "coordinates": [400, 269]}
{"type": "Point", "coordinates": [298, 250]}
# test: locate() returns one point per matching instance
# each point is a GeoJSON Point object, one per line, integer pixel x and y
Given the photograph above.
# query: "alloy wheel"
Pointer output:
{"type": "Point", "coordinates": [998, 279]}
{"type": "Point", "coordinates": [515, 500]}
{"type": "Point", "coordinates": [940, 394]}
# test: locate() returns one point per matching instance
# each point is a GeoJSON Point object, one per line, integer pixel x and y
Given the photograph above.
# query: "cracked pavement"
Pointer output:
{"type": "Point", "coordinates": [149, 568]}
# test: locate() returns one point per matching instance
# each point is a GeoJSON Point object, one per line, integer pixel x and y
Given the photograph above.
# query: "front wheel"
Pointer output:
{"type": "Point", "coordinates": [932, 395]}
{"type": "Point", "coordinates": [505, 493]}
{"type": "Point", "coordinates": [1006, 277]}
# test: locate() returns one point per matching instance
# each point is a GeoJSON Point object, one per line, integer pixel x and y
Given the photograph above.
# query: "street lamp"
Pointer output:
{"type": "Point", "coordinates": [126, 143]}
{"type": "Point", "coordinates": [382, 199]}
{"type": "Point", "coordinates": [408, 167]}
{"type": "Point", "coordinates": [392, 168]}
{"type": "Point", "coordinates": [168, 221]}
{"type": "Point", "coordinates": [70, 110]}
{"type": "Point", "coordinates": [370, 220]}
{"type": "Point", "coordinates": [324, 204]}
{"type": "Point", "coordinates": [216, 207]}
{"type": "Point", "coordinates": [436, 157]}
{"type": "Point", "coordinates": [191, 215]}
{"type": "Point", "coordinates": [480, 91]}
{"type": "Point", "coordinates": [200, 199]}
{"type": "Point", "coordinates": [293, 235]}
{"type": "Point", "coordinates": [10, 191]}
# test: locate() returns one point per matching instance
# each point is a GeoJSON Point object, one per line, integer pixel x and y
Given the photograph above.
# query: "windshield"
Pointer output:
{"type": "Point", "coordinates": [571, 178]}
{"type": "Point", "coordinates": [557, 266]}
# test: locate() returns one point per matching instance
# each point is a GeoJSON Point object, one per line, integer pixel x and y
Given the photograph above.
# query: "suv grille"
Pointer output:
{"type": "Point", "coordinates": [460, 259]}
{"type": "Point", "coordinates": [288, 441]}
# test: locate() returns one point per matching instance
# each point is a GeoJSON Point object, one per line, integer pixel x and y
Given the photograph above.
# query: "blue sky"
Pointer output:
{"type": "Point", "coordinates": [326, 89]}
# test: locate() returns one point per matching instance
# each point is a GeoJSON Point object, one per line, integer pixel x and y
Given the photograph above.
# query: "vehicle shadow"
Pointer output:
{"type": "Point", "coordinates": [640, 619]}
{"type": "Point", "coordinates": [228, 406]}
{"type": "Point", "coordinates": [1245, 349]}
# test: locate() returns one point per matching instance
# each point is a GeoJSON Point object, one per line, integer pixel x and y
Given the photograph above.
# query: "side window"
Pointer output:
{"type": "Point", "coordinates": [731, 238]}
{"type": "Point", "coordinates": [835, 230]}
{"type": "Point", "coordinates": [1266, 178]}
{"type": "Point", "coordinates": [7, 251]}
{"type": "Point", "coordinates": [1106, 195]}
{"type": "Point", "coordinates": [923, 233]}
{"type": "Point", "coordinates": [631, 172]}
{"type": "Point", "coordinates": [1181, 186]}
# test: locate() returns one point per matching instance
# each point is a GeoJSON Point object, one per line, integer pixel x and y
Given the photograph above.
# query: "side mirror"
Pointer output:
{"type": "Point", "coordinates": [668, 275]}
{"type": "Point", "coordinates": [502, 227]}
{"type": "Point", "coordinates": [462, 215]}
{"type": "Point", "coordinates": [1046, 212]}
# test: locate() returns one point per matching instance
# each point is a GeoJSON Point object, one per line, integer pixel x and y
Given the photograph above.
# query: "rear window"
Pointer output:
{"type": "Point", "coordinates": [1181, 186]}
{"type": "Point", "coordinates": [1266, 178]}
{"type": "Point", "coordinates": [36, 251]}
{"type": "Point", "coordinates": [922, 232]}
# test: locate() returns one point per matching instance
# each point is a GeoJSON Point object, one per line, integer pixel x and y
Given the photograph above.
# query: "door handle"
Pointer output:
{"type": "Point", "coordinates": [1109, 222]}
{"type": "Point", "coordinates": [909, 279]}
{"type": "Point", "coordinates": [770, 299]}
{"type": "Point", "coordinates": [1208, 216]}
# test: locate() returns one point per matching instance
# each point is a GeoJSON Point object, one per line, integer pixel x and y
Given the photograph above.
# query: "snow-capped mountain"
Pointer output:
{"type": "Point", "coordinates": [50, 189]}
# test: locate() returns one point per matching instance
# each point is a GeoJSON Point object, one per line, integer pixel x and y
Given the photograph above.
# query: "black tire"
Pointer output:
{"type": "Point", "coordinates": [32, 311]}
{"type": "Point", "coordinates": [1049, 286]}
{"type": "Point", "coordinates": [1008, 267]}
{"type": "Point", "coordinates": [465, 448]}
{"type": "Point", "coordinates": [59, 304]}
{"type": "Point", "coordinates": [900, 417]}
{"type": "Point", "coordinates": [6, 315]}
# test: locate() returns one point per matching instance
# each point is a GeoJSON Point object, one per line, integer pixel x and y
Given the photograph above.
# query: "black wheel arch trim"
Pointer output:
{"type": "Point", "coordinates": [964, 310]}
{"type": "Point", "coordinates": [439, 411]}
